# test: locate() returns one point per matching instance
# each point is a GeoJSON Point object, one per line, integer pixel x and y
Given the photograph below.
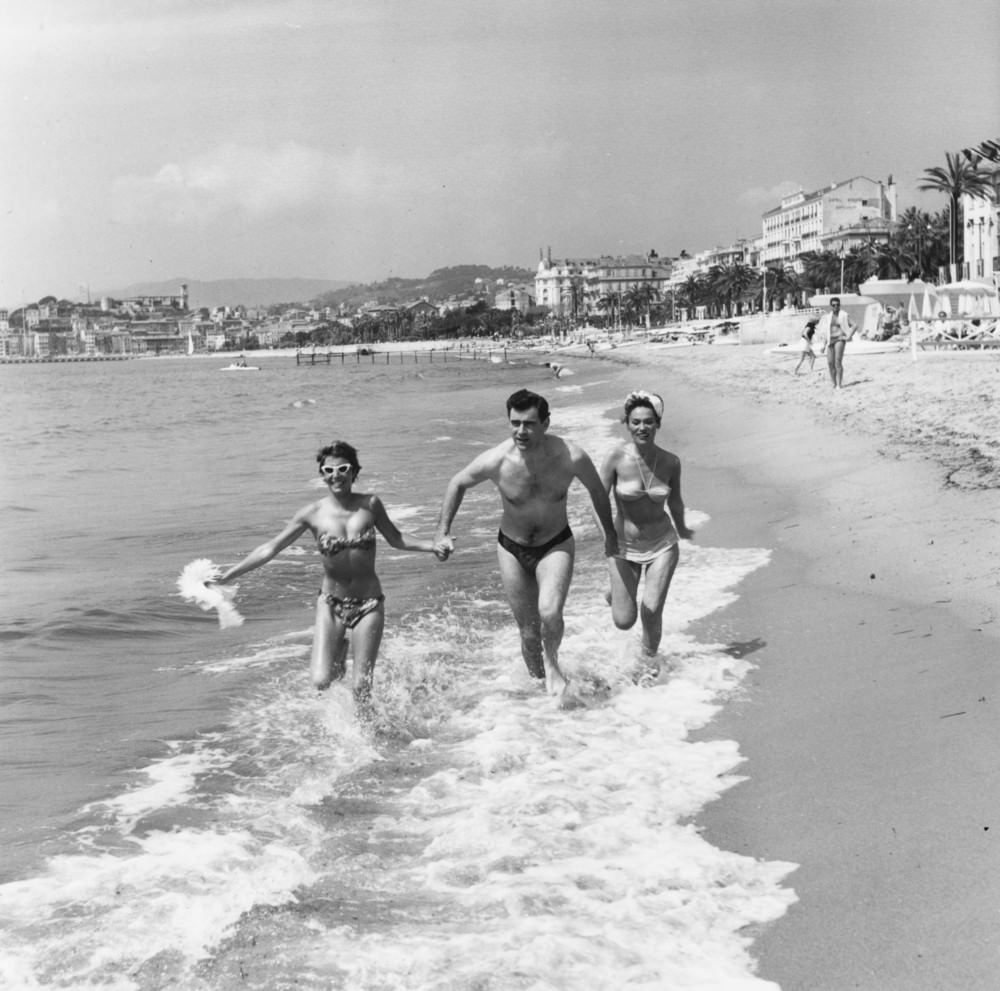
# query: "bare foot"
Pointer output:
{"type": "Point", "coordinates": [647, 671]}
{"type": "Point", "coordinates": [555, 682]}
{"type": "Point", "coordinates": [571, 699]}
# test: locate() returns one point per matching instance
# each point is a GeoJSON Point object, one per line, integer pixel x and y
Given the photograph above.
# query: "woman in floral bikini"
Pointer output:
{"type": "Point", "coordinates": [344, 523]}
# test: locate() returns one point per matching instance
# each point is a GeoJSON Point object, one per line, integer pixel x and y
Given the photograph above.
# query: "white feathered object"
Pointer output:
{"type": "Point", "coordinates": [192, 588]}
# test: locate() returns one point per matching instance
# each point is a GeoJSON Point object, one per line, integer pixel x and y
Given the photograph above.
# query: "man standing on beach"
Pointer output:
{"type": "Point", "coordinates": [533, 471]}
{"type": "Point", "coordinates": [836, 329]}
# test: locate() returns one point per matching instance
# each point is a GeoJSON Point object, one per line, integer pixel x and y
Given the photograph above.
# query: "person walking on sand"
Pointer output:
{"type": "Point", "coordinates": [344, 523]}
{"type": "Point", "coordinates": [533, 471]}
{"type": "Point", "coordinates": [836, 329]}
{"type": "Point", "coordinates": [807, 346]}
{"type": "Point", "coordinates": [646, 483]}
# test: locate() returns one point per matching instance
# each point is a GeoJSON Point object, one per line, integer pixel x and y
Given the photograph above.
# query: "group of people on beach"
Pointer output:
{"type": "Point", "coordinates": [533, 471]}
{"type": "Point", "coordinates": [835, 329]}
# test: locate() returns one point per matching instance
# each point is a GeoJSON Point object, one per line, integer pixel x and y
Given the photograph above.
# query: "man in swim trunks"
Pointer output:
{"type": "Point", "coordinates": [533, 471]}
{"type": "Point", "coordinates": [836, 328]}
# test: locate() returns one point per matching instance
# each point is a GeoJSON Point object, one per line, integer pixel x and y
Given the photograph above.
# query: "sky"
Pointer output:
{"type": "Point", "coordinates": [148, 140]}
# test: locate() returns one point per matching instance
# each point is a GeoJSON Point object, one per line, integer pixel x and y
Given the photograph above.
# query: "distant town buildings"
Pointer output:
{"type": "Point", "coordinates": [574, 286]}
{"type": "Point", "coordinates": [520, 298]}
{"type": "Point", "coordinates": [837, 218]}
{"type": "Point", "coordinates": [164, 325]}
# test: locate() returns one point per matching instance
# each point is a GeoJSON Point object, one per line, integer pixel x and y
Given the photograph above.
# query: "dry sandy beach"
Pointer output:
{"type": "Point", "coordinates": [871, 725]}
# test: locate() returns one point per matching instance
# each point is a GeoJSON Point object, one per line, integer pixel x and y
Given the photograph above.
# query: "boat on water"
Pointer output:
{"type": "Point", "coordinates": [240, 368]}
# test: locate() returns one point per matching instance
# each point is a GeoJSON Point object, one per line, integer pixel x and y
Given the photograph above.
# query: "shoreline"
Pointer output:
{"type": "Point", "coordinates": [869, 726]}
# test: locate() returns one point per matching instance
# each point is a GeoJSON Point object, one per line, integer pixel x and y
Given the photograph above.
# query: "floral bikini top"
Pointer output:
{"type": "Point", "coordinates": [328, 545]}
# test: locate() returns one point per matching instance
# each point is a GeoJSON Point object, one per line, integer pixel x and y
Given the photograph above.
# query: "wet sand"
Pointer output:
{"type": "Point", "coordinates": [871, 725]}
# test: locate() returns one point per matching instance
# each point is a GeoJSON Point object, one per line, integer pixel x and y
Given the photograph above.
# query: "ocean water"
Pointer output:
{"type": "Point", "coordinates": [179, 809]}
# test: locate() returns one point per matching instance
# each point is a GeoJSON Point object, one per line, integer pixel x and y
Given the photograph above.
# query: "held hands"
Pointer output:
{"type": "Point", "coordinates": [444, 547]}
{"type": "Point", "coordinates": [611, 544]}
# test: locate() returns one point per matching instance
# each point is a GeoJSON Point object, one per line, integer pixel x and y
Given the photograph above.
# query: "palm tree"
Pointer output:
{"type": "Point", "coordinates": [692, 293]}
{"type": "Point", "coordinates": [610, 304]}
{"type": "Point", "coordinates": [729, 285]}
{"type": "Point", "coordinates": [640, 298]}
{"type": "Point", "coordinates": [821, 270]}
{"type": "Point", "coordinates": [958, 177]}
{"type": "Point", "coordinates": [573, 291]}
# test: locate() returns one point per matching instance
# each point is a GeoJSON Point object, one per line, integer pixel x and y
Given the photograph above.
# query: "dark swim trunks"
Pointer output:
{"type": "Point", "coordinates": [529, 556]}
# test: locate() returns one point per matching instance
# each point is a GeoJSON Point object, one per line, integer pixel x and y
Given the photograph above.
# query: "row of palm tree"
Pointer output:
{"type": "Point", "coordinates": [963, 174]}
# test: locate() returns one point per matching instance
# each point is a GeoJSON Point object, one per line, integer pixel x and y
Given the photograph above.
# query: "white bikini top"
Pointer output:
{"type": "Point", "coordinates": [631, 489]}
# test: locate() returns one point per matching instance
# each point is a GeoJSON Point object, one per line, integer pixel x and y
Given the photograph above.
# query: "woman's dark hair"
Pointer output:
{"type": "Point", "coordinates": [339, 449]}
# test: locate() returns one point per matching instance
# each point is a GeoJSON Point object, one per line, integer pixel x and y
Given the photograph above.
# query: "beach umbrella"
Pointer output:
{"type": "Point", "coordinates": [926, 307]}
{"type": "Point", "coordinates": [912, 317]}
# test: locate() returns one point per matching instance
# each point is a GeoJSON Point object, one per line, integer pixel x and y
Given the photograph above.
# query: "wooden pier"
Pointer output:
{"type": "Point", "coordinates": [61, 359]}
{"type": "Point", "coordinates": [427, 355]}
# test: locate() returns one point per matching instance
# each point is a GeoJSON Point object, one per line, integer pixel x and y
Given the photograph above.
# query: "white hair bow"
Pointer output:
{"type": "Point", "coordinates": [655, 401]}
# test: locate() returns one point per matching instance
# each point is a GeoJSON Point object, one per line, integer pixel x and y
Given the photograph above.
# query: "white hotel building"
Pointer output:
{"type": "Point", "coordinates": [981, 236]}
{"type": "Point", "coordinates": [595, 278]}
{"type": "Point", "coordinates": [838, 217]}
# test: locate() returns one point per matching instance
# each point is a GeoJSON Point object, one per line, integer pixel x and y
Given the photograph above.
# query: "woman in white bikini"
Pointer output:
{"type": "Point", "coordinates": [645, 481]}
{"type": "Point", "coordinates": [344, 524]}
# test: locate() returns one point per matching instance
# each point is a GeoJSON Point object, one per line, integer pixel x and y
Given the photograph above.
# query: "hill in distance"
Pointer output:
{"type": "Point", "coordinates": [457, 280]}
{"type": "Point", "coordinates": [234, 292]}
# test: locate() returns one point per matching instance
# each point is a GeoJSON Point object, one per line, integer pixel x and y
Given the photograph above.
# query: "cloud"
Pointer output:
{"type": "Point", "coordinates": [255, 182]}
{"type": "Point", "coordinates": [770, 196]}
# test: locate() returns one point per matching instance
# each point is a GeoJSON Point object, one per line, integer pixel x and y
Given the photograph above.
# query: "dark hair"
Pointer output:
{"type": "Point", "coordinates": [525, 399]}
{"type": "Point", "coordinates": [834, 299]}
{"type": "Point", "coordinates": [339, 449]}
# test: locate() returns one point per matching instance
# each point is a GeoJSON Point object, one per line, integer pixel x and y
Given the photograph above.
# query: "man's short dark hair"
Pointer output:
{"type": "Point", "coordinates": [525, 399]}
{"type": "Point", "coordinates": [834, 299]}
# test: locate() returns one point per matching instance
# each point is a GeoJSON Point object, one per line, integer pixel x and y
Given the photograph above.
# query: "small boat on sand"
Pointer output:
{"type": "Point", "coordinates": [853, 347]}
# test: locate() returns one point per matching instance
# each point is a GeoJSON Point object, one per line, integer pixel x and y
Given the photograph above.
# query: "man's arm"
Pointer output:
{"type": "Point", "coordinates": [587, 473]}
{"type": "Point", "coordinates": [479, 470]}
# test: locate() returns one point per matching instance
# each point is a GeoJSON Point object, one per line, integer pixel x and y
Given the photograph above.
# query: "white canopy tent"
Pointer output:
{"type": "Point", "coordinates": [895, 292]}
{"type": "Point", "coordinates": [966, 297]}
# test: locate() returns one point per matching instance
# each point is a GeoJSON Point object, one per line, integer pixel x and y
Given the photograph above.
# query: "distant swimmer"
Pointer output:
{"type": "Point", "coordinates": [557, 370]}
{"type": "Point", "coordinates": [533, 471]}
{"type": "Point", "coordinates": [344, 524]}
